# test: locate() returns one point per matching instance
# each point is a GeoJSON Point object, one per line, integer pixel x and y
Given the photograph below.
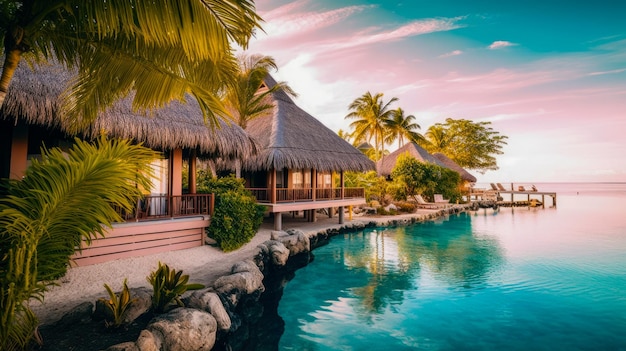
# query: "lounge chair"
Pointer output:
{"type": "Point", "coordinates": [494, 187]}
{"type": "Point", "coordinates": [500, 187]}
{"type": "Point", "coordinates": [534, 188]}
{"type": "Point", "coordinates": [421, 203]}
{"type": "Point", "coordinates": [521, 188]}
{"type": "Point", "coordinates": [439, 200]}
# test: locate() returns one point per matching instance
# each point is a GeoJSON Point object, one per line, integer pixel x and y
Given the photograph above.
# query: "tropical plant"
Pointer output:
{"type": "Point", "coordinates": [471, 145]}
{"type": "Point", "coordinates": [401, 127]}
{"type": "Point", "coordinates": [168, 286]}
{"type": "Point", "coordinates": [161, 51]}
{"type": "Point", "coordinates": [426, 178]}
{"type": "Point", "coordinates": [237, 216]}
{"type": "Point", "coordinates": [65, 198]}
{"type": "Point", "coordinates": [371, 115]}
{"type": "Point", "coordinates": [244, 98]}
{"type": "Point", "coordinates": [117, 304]}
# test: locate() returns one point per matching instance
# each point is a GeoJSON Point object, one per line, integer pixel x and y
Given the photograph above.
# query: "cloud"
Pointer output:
{"type": "Point", "coordinates": [499, 44]}
{"type": "Point", "coordinates": [414, 28]}
{"type": "Point", "coordinates": [288, 20]}
{"type": "Point", "coordinates": [615, 71]}
{"type": "Point", "coordinates": [452, 53]}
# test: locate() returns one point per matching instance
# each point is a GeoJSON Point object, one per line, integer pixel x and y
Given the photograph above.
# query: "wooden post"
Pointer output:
{"type": "Point", "coordinates": [314, 183]}
{"type": "Point", "coordinates": [192, 172]}
{"type": "Point", "coordinates": [341, 214]}
{"type": "Point", "coordinates": [278, 221]}
{"type": "Point", "coordinates": [19, 152]}
{"type": "Point", "coordinates": [341, 181]}
{"type": "Point", "coordinates": [273, 185]}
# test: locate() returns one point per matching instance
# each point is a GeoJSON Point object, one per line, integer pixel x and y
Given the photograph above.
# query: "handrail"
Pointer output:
{"type": "Point", "coordinates": [283, 195]}
{"type": "Point", "coordinates": [152, 207]}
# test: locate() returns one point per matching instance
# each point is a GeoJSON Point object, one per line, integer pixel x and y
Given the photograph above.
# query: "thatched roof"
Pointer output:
{"type": "Point", "coordinates": [291, 138]}
{"type": "Point", "coordinates": [385, 166]}
{"type": "Point", "coordinates": [465, 175]}
{"type": "Point", "coordinates": [33, 97]}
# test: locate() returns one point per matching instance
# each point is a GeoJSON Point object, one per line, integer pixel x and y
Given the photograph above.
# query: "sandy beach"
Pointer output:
{"type": "Point", "coordinates": [203, 264]}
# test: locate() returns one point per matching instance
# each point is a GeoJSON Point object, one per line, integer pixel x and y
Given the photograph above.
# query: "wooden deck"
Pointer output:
{"type": "Point", "coordinates": [511, 197]}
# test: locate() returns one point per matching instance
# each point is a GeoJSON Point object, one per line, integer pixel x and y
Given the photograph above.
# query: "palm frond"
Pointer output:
{"type": "Point", "coordinates": [63, 199]}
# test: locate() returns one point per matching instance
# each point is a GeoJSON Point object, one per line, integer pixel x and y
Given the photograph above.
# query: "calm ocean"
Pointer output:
{"type": "Point", "coordinates": [512, 279]}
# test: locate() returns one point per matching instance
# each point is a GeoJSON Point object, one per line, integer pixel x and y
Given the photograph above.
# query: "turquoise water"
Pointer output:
{"type": "Point", "coordinates": [513, 279]}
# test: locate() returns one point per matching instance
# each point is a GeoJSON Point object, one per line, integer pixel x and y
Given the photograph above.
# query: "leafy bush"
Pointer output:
{"type": "Point", "coordinates": [168, 286]}
{"type": "Point", "coordinates": [405, 206]}
{"type": "Point", "coordinates": [426, 178]}
{"type": "Point", "coordinates": [64, 198]}
{"type": "Point", "coordinates": [117, 304]}
{"type": "Point", "coordinates": [237, 216]}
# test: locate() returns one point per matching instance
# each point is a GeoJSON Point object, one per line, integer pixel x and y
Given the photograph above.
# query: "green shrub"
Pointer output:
{"type": "Point", "coordinates": [168, 286]}
{"type": "Point", "coordinates": [117, 304]}
{"type": "Point", "coordinates": [405, 206]}
{"type": "Point", "coordinates": [237, 216]}
{"type": "Point", "coordinates": [65, 197]}
{"type": "Point", "coordinates": [426, 178]}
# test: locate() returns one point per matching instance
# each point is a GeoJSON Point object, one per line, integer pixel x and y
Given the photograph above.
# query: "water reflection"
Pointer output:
{"type": "Point", "coordinates": [396, 258]}
{"type": "Point", "coordinates": [362, 281]}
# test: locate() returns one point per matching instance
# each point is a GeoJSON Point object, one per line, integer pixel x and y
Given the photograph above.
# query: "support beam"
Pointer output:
{"type": "Point", "coordinates": [278, 221]}
{"type": "Point", "coordinates": [192, 172]}
{"type": "Point", "coordinates": [341, 215]}
{"type": "Point", "coordinates": [19, 152]}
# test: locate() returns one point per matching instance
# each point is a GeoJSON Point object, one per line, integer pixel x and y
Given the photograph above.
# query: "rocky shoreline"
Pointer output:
{"type": "Point", "coordinates": [221, 316]}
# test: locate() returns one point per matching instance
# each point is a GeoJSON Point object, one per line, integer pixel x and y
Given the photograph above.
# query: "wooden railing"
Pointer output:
{"type": "Point", "coordinates": [262, 195]}
{"type": "Point", "coordinates": [165, 206]}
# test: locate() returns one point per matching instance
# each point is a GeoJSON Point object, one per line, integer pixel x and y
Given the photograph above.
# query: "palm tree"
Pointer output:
{"type": "Point", "coordinates": [401, 127]}
{"type": "Point", "coordinates": [436, 139]}
{"type": "Point", "coordinates": [371, 115]}
{"type": "Point", "coordinates": [244, 97]}
{"type": "Point", "coordinates": [62, 200]}
{"type": "Point", "coordinates": [159, 52]}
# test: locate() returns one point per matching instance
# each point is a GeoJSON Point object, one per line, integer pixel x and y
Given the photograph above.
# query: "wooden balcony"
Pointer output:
{"type": "Point", "coordinates": [285, 195]}
{"type": "Point", "coordinates": [153, 207]}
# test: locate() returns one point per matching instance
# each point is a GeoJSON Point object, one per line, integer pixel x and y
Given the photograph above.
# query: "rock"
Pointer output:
{"type": "Point", "coordinates": [210, 302]}
{"type": "Point", "coordinates": [279, 254]}
{"type": "Point", "coordinates": [184, 329]}
{"type": "Point", "coordinates": [141, 304]}
{"type": "Point", "coordinates": [277, 234]}
{"type": "Point", "coordinates": [126, 346]}
{"type": "Point", "coordinates": [78, 315]}
{"type": "Point", "coordinates": [142, 301]}
{"type": "Point", "coordinates": [246, 279]}
{"type": "Point", "coordinates": [297, 242]}
{"type": "Point", "coordinates": [147, 342]}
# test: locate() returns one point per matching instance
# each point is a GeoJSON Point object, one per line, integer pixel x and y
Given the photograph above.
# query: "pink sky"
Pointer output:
{"type": "Point", "coordinates": [561, 101]}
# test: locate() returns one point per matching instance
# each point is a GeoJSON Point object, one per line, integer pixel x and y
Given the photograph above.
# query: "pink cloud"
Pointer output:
{"type": "Point", "coordinates": [289, 20]}
{"type": "Point", "coordinates": [615, 71]}
{"type": "Point", "coordinates": [498, 44]}
{"type": "Point", "coordinates": [452, 53]}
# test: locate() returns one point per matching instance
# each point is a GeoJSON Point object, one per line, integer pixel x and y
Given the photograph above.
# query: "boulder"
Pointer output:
{"type": "Point", "coordinates": [246, 278]}
{"type": "Point", "coordinates": [210, 302]}
{"type": "Point", "coordinates": [125, 346]}
{"type": "Point", "coordinates": [184, 329]}
{"type": "Point", "coordinates": [147, 341]}
{"type": "Point", "coordinates": [296, 242]}
{"type": "Point", "coordinates": [141, 303]}
{"type": "Point", "coordinates": [78, 315]}
{"type": "Point", "coordinates": [277, 252]}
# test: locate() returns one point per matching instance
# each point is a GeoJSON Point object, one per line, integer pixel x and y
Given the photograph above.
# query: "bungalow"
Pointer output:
{"type": "Point", "coordinates": [388, 163]}
{"type": "Point", "coordinates": [301, 163]}
{"type": "Point", "coordinates": [166, 218]}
